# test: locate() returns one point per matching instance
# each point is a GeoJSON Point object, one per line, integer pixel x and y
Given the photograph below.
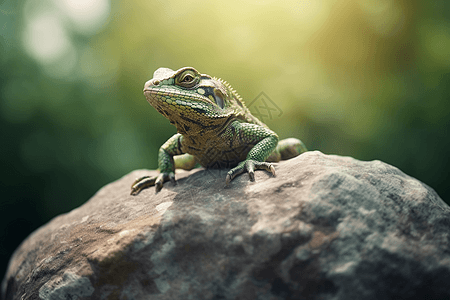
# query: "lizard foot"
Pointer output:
{"type": "Point", "coordinates": [250, 166]}
{"type": "Point", "coordinates": [147, 181]}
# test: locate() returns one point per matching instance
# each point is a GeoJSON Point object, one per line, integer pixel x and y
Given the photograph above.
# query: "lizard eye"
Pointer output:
{"type": "Point", "coordinates": [218, 96]}
{"type": "Point", "coordinates": [187, 79]}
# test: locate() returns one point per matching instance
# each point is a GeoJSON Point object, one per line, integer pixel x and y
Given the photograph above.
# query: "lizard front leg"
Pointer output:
{"type": "Point", "coordinates": [265, 141]}
{"type": "Point", "coordinates": [166, 166]}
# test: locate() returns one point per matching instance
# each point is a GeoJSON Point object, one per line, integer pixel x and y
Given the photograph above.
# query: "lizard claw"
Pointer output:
{"type": "Point", "coordinates": [271, 169]}
{"type": "Point", "coordinates": [227, 180]}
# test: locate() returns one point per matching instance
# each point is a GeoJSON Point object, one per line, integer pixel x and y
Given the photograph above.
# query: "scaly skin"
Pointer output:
{"type": "Point", "coordinates": [215, 129]}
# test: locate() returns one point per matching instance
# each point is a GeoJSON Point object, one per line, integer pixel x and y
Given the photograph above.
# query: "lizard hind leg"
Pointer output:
{"type": "Point", "coordinates": [185, 162]}
{"type": "Point", "coordinates": [286, 149]}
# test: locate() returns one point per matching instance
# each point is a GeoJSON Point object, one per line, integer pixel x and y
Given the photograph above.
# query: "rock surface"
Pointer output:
{"type": "Point", "coordinates": [327, 227]}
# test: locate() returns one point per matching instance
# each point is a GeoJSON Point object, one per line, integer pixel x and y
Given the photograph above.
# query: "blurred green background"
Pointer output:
{"type": "Point", "coordinates": [363, 78]}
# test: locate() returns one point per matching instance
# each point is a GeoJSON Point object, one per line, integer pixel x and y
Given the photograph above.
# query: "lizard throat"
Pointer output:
{"type": "Point", "coordinates": [190, 117]}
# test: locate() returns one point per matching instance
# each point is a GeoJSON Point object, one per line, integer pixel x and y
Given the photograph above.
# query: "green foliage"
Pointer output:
{"type": "Point", "coordinates": [363, 78]}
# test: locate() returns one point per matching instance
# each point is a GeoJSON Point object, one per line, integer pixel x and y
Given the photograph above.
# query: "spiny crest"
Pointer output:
{"type": "Point", "coordinates": [233, 91]}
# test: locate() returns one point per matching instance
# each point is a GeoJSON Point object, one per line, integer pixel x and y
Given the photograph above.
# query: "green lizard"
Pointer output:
{"type": "Point", "coordinates": [215, 129]}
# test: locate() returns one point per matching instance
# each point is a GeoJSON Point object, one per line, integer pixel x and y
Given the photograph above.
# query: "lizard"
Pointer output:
{"type": "Point", "coordinates": [214, 129]}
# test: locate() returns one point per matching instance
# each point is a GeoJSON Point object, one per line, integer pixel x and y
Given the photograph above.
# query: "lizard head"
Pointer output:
{"type": "Point", "coordinates": [192, 101]}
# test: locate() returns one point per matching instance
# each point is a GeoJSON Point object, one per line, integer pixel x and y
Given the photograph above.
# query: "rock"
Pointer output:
{"type": "Point", "coordinates": [327, 227]}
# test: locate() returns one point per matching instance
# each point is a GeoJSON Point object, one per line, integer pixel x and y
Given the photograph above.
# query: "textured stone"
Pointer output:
{"type": "Point", "coordinates": [327, 227]}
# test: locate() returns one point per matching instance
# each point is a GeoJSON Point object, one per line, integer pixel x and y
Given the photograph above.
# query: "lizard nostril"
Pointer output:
{"type": "Point", "coordinates": [156, 82]}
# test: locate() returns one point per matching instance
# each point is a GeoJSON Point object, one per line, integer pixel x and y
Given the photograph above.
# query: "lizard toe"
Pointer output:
{"type": "Point", "coordinates": [142, 183]}
{"type": "Point", "coordinates": [250, 167]}
{"type": "Point", "coordinates": [172, 178]}
{"type": "Point", "coordinates": [234, 172]}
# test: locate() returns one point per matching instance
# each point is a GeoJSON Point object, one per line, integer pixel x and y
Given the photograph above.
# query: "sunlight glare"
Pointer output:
{"type": "Point", "coordinates": [87, 16]}
{"type": "Point", "coordinates": [311, 13]}
{"type": "Point", "coordinates": [45, 37]}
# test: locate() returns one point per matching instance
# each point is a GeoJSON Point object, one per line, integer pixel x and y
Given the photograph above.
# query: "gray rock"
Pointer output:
{"type": "Point", "coordinates": [69, 286]}
{"type": "Point", "coordinates": [327, 227]}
